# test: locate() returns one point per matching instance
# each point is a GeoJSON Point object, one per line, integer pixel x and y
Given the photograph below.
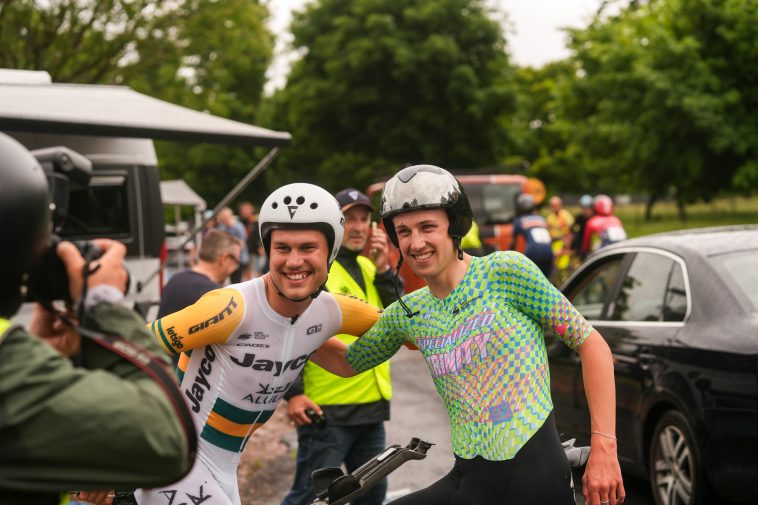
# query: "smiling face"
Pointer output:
{"type": "Point", "coordinates": [425, 243]}
{"type": "Point", "coordinates": [357, 227]}
{"type": "Point", "coordinates": [298, 261]}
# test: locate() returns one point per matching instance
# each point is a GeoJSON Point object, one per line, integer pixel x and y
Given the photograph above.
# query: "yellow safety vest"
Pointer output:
{"type": "Point", "coordinates": [372, 385]}
{"type": "Point", "coordinates": [471, 240]}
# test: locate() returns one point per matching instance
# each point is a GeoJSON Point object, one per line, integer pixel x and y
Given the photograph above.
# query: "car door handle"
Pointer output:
{"type": "Point", "coordinates": [646, 359]}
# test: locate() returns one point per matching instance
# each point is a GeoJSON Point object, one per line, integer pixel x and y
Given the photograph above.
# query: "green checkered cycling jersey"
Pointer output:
{"type": "Point", "coordinates": [485, 347]}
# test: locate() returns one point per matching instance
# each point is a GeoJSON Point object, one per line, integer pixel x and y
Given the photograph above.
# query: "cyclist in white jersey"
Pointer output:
{"type": "Point", "coordinates": [243, 345]}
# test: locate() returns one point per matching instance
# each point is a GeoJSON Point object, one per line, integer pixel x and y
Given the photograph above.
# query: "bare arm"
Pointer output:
{"type": "Point", "coordinates": [331, 356]}
{"type": "Point", "coordinates": [602, 480]}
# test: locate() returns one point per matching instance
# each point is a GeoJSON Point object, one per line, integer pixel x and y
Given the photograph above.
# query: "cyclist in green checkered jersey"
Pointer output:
{"type": "Point", "coordinates": [480, 326]}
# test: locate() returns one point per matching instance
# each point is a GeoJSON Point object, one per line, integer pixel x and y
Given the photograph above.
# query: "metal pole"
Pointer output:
{"type": "Point", "coordinates": [236, 190]}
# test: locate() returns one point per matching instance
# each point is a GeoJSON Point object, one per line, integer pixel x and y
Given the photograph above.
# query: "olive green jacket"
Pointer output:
{"type": "Point", "coordinates": [101, 426]}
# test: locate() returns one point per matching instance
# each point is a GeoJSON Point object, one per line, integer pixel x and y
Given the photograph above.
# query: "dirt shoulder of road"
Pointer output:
{"type": "Point", "coordinates": [267, 464]}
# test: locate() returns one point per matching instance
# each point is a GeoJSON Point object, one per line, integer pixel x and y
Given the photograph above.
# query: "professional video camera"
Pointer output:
{"type": "Point", "coordinates": [65, 169]}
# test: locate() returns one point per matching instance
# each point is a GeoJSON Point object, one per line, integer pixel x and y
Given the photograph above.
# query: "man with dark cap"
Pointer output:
{"type": "Point", "coordinates": [354, 409]}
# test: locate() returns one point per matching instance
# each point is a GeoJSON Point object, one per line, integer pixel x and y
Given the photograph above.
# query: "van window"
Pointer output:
{"type": "Point", "coordinates": [499, 202]}
{"type": "Point", "coordinates": [99, 210]}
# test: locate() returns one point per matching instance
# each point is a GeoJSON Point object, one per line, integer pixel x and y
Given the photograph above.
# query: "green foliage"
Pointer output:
{"type": "Point", "coordinates": [209, 55]}
{"type": "Point", "coordinates": [662, 100]}
{"type": "Point", "coordinates": [79, 41]}
{"type": "Point", "coordinates": [384, 83]}
{"type": "Point", "coordinates": [217, 64]}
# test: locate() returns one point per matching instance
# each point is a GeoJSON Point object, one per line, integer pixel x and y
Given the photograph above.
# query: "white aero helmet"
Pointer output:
{"type": "Point", "coordinates": [302, 206]}
{"type": "Point", "coordinates": [421, 187]}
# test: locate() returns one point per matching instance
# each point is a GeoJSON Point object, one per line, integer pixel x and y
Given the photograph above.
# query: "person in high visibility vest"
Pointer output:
{"type": "Point", "coordinates": [559, 223]}
{"type": "Point", "coordinates": [349, 412]}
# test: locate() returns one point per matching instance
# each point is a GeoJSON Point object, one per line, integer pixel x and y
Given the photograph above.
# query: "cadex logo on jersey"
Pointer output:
{"type": "Point", "coordinates": [267, 365]}
{"type": "Point", "coordinates": [217, 318]}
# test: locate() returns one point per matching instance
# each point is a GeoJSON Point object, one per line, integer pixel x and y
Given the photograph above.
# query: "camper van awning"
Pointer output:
{"type": "Point", "coordinates": [118, 111]}
{"type": "Point", "coordinates": [178, 192]}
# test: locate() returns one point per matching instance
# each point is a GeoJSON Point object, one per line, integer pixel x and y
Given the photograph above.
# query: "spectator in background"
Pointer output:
{"type": "Point", "coordinates": [230, 224]}
{"type": "Point", "coordinates": [209, 222]}
{"type": "Point", "coordinates": [559, 222]}
{"type": "Point", "coordinates": [249, 219]}
{"type": "Point", "coordinates": [471, 242]}
{"type": "Point", "coordinates": [218, 258]}
{"type": "Point", "coordinates": [580, 223]}
{"type": "Point", "coordinates": [533, 228]}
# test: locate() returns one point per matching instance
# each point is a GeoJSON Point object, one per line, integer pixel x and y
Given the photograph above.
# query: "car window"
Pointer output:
{"type": "Point", "coordinates": [593, 290]}
{"type": "Point", "coordinates": [741, 269]}
{"type": "Point", "coordinates": [643, 289]}
{"type": "Point", "coordinates": [675, 305]}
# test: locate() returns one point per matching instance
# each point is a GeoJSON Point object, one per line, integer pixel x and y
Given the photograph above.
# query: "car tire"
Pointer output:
{"type": "Point", "coordinates": [676, 466]}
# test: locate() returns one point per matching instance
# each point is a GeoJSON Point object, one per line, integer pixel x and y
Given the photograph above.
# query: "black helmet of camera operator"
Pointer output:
{"type": "Point", "coordinates": [525, 203]}
{"type": "Point", "coordinates": [25, 214]}
{"type": "Point", "coordinates": [422, 187]}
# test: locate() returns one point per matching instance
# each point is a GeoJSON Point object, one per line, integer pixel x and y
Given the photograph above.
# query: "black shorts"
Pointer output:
{"type": "Point", "coordinates": [539, 474]}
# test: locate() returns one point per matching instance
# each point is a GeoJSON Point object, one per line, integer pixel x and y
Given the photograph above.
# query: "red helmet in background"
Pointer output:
{"type": "Point", "coordinates": [603, 205]}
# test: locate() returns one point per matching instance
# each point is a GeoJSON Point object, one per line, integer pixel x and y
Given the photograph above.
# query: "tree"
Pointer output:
{"type": "Point", "coordinates": [539, 133]}
{"type": "Point", "coordinates": [208, 55]}
{"type": "Point", "coordinates": [217, 64]}
{"type": "Point", "coordinates": [385, 83]}
{"type": "Point", "coordinates": [663, 98]}
{"type": "Point", "coordinates": [81, 41]}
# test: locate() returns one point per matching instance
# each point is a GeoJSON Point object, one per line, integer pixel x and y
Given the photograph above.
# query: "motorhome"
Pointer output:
{"type": "Point", "coordinates": [114, 128]}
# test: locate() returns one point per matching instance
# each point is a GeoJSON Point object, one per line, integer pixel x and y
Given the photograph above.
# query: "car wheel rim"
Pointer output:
{"type": "Point", "coordinates": [673, 467]}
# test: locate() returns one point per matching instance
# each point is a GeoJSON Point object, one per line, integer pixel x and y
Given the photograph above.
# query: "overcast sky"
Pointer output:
{"type": "Point", "coordinates": [533, 30]}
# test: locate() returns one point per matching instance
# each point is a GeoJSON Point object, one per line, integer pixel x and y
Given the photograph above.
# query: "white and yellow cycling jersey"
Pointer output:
{"type": "Point", "coordinates": [238, 359]}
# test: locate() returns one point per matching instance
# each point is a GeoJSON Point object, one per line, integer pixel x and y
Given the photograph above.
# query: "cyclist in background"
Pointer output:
{"type": "Point", "coordinates": [533, 228]}
{"type": "Point", "coordinates": [603, 228]}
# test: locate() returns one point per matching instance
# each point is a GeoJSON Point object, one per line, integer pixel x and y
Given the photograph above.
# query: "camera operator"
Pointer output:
{"type": "Point", "coordinates": [113, 421]}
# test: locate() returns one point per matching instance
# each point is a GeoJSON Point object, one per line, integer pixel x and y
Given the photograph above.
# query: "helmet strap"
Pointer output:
{"type": "Point", "coordinates": [396, 284]}
{"type": "Point", "coordinates": [457, 245]}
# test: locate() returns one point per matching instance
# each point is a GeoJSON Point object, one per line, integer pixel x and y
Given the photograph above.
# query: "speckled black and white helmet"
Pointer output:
{"type": "Point", "coordinates": [422, 187]}
{"type": "Point", "coordinates": [302, 206]}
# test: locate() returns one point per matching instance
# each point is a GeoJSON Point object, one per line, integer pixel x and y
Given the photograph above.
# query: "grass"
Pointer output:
{"type": "Point", "coordinates": [720, 212]}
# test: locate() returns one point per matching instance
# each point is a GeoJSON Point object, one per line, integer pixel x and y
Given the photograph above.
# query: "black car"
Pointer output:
{"type": "Point", "coordinates": [680, 313]}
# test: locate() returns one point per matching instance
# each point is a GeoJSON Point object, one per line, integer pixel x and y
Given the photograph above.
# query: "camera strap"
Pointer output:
{"type": "Point", "coordinates": [154, 368]}
{"type": "Point", "coordinates": [149, 364]}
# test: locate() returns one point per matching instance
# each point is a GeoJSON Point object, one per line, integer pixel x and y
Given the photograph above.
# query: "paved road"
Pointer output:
{"type": "Point", "coordinates": [417, 411]}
